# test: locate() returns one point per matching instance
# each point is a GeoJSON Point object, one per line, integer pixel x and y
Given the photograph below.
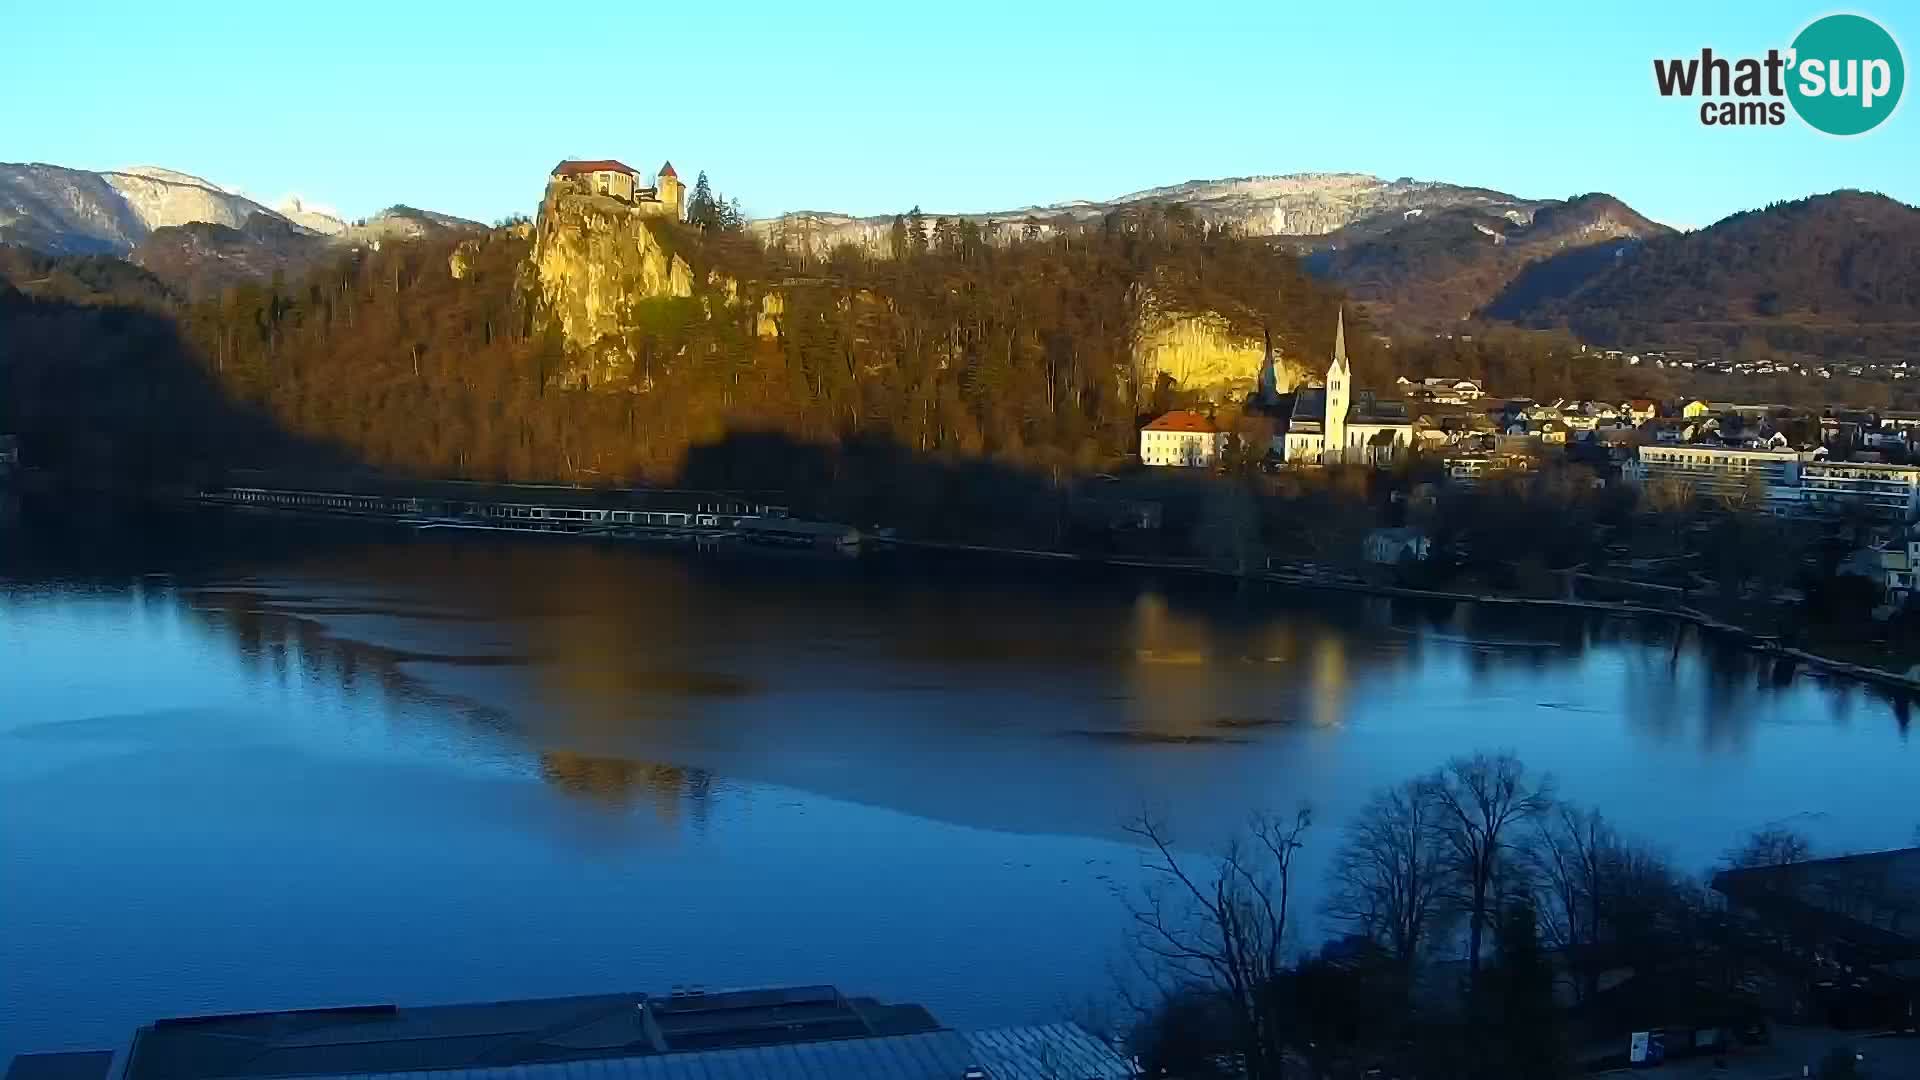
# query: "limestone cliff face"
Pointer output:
{"type": "Point", "coordinates": [594, 262]}
{"type": "Point", "coordinates": [1201, 352]}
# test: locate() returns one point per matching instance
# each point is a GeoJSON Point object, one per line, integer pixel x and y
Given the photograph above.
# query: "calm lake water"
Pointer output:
{"type": "Point", "coordinates": [245, 765]}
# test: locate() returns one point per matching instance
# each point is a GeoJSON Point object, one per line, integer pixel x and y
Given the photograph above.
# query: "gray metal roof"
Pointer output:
{"type": "Point", "coordinates": [1048, 1052]}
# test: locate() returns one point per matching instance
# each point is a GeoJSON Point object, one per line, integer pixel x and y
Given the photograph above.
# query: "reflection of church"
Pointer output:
{"type": "Point", "coordinates": [1334, 423]}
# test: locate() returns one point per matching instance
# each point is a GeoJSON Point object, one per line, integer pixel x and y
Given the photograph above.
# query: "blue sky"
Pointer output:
{"type": "Point", "coordinates": [871, 108]}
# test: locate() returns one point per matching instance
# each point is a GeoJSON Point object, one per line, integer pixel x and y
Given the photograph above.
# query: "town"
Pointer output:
{"type": "Point", "coordinates": [1831, 470]}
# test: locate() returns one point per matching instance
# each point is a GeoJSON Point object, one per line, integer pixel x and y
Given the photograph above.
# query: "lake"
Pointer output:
{"type": "Point", "coordinates": [248, 764]}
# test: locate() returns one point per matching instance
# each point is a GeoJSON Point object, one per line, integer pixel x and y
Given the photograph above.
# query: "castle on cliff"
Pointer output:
{"type": "Point", "coordinates": [614, 180]}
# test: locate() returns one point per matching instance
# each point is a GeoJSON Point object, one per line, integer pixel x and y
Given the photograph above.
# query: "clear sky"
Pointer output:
{"type": "Point", "coordinates": [873, 107]}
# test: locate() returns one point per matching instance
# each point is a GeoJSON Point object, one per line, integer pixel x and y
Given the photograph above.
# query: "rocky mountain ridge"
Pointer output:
{"type": "Point", "coordinates": [80, 212]}
{"type": "Point", "coordinates": [1292, 204]}
{"type": "Point", "coordinates": [65, 211]}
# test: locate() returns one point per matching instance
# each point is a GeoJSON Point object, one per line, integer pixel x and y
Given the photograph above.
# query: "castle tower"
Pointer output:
{"type": "Point", "coordinates": [672, 191]}
{"type": "Point", "coordinates": [1339, 392]}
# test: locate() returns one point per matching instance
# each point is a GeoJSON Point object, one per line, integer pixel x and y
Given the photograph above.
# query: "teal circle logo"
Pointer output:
{"type": "Point", "coordinates": [1847, 74]}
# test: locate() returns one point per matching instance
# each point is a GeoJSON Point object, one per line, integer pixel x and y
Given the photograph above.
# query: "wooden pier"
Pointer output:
{"type": "Point", "coordinates": [699, 518]}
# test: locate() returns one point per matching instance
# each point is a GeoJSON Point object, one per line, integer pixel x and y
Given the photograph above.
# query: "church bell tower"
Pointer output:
{"type": "Point", "coordinates": [1339, 392]}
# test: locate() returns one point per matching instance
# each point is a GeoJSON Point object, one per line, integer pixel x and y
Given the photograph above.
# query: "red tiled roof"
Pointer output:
{"type": "Point", "coordinates": [1181, 420]}
{"type": "Point", "coordinates": [667, 170]}
{"type": "Point", "coordinates": [576, 168]}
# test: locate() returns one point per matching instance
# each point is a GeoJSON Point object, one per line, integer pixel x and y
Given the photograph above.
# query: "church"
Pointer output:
{"type": "Point", "coordinates": [1333, 423]}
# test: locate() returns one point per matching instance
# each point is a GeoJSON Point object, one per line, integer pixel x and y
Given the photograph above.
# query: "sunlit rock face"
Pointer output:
{"type": "Point", "coordinates": [595, 263]}
{"type": "Point", "coordinates": [1201, 352]}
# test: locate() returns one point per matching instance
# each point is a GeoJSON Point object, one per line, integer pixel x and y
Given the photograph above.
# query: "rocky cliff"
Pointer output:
{"type": "Point", "coordinates": [1201, 352]}
{"type": "Point", "coordinates": [595, 266]}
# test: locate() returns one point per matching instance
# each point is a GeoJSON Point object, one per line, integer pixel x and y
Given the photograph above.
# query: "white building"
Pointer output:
{"type": "Point", "coordinates": [1789, 480]}
{"type": "Point", "coordinates": [1888, 491]}
{"type": "Point", "coordinates": [1182, 439]}
{"type": "Point", "coordinates": [1726, 471]}
{"type": "Point", "coordinates": [1335, 423]}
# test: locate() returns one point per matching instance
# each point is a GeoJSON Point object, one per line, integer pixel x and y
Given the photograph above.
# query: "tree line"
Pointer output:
{"type": "Point", "coordinates": [1467, 900]}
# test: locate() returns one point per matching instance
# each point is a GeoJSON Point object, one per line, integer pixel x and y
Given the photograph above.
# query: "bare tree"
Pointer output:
{"type": "Point", "coordinates": [1572, 853]}
{"type": "Point", "coordinates": [1480, 799]}
{"type": "Point", "coordinates": [1222, 927]}
{"type": "Point", "coordinates": [1603, 898]}
{"type": "Point", "coordinates": [1389, 877]}
{"type": "Point", "coordinates": [1773, 845]}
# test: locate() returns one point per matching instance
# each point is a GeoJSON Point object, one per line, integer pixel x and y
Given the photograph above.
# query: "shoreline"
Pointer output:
{"type": "Point", "coordinates": [1749, 639]}
{"type": "Point", "coordinates": [1756, 642]}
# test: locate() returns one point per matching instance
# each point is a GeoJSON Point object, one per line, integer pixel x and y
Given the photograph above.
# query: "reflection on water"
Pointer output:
{"type": "Point", "coordinates": [245, 767]}
{"type": "Point", "coordinates": [621, 784]}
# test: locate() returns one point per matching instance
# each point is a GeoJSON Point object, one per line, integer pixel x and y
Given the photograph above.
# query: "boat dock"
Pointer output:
{"type": "Point", "coordinates": [616, 515]}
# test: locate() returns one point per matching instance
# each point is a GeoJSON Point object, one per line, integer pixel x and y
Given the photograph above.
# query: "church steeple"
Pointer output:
{"type": "Point", "coordinates": [1339, 393]}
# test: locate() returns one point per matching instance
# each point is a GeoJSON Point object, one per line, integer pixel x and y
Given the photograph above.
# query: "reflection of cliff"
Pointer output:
{"type": "Point", "coordinates": [1197, 678]}
{"type": "Point", "coordinates": [621, 782]}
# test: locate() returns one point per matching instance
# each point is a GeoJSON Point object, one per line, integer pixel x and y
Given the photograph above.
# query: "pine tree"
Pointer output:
{"type": "Point", "coordinates": [917, 230]}
{"type": "Point", "coordinates": [702, 211]}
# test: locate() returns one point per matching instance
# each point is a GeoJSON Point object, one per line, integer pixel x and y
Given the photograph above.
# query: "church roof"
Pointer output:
{"type": "Point", "coordinates": [1340, 337]}
{"type": "Point", "coordinates": [577, 168]}
{"type": "Point", "coordinates": [1310, 403]}
{"type": "Point", "coordinates": [666, 169]}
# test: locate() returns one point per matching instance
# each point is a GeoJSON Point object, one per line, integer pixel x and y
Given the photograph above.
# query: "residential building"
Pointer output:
{"type": "Point", "coordinates": [1470, 470]}
{"type": "Point", "coordinates": [1642, 410]}
{"type": "Point", "coordinates": [1886, 491]}
{"type": "Point", "coordinates": [1391, 547]}
{"type": "Point", "coordinates": [1182, 439]}
{"type": "Point", "coordinates": [785, 1033]}
{"type": "Point", "coordinates": [1850, 926]}
{"type": "Point", "coordinates": [1695, 408]}
{"type": "Point", "coordinates": [1441, 389]}
{"type": "Point", "coordinates": [1770, 477]}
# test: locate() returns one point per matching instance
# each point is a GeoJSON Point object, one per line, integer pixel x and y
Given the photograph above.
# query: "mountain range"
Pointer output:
{"type": "Point", "coordinates": [1831, 273]}
{"type": "Point", "coordinates": [78, 212]}
{"type": "Point", "coordinates": [189, 231]}
{"type": "Point", "coordinates": [1421, 254]}
{"type": "Point", "coordinates": [1835, 274]}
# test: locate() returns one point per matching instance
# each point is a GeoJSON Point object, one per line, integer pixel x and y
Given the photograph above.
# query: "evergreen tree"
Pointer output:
{"type": "Point", "coordinates": [897, 238]}
{"type": "Point", "coordinates": [703, 211]}
{"type": "Point", "coordinates": [916, 231]}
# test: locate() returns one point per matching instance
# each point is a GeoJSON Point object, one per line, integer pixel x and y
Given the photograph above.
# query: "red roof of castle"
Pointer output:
{"type": "Point", "coordinates": [575, 168]}
{"type": "Point", "coordinates": [667, 170]}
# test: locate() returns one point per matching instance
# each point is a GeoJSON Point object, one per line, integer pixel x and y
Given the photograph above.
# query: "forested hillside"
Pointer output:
{"type": "Point", "coordinates": [959, 352]}
{"type": "Point", "coordinates": [1834, 275]}
{"type": "Point", "coordinates": [1431, 270]}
